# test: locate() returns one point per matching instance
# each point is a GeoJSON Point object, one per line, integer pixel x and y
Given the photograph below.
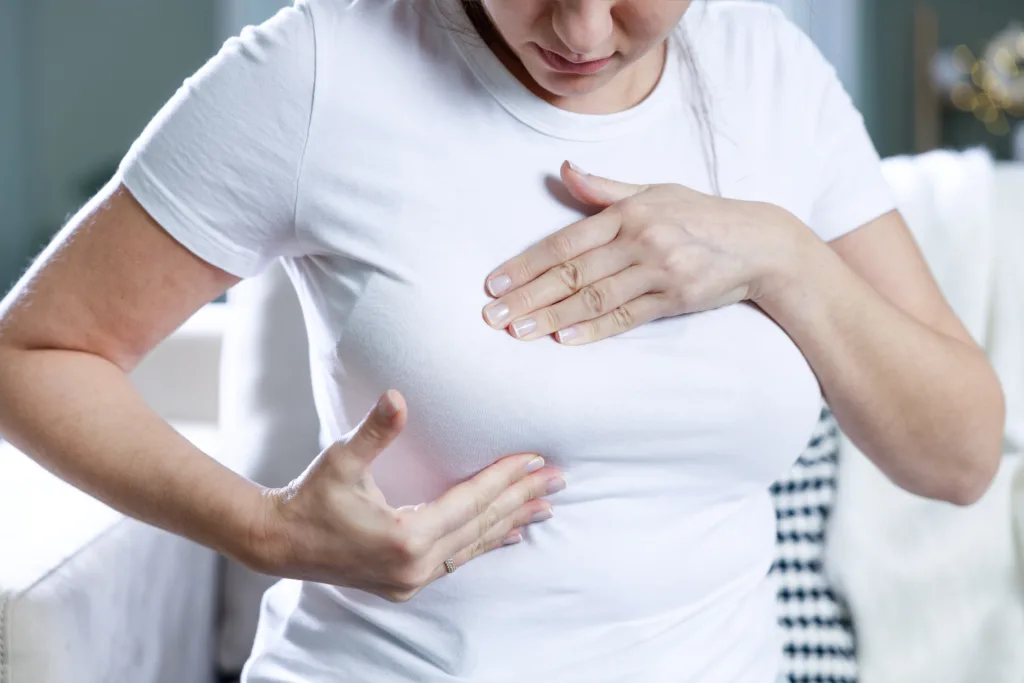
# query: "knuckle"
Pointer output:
{"type": "Point", "coordinates": [522, 271]}
{"type": "Point", "coordinates": [561, 246]}
{"type": "Point", "coordinates": [373, 431]}
{"type": "Point", "coordinates": [571, 275]}
{"type": "Point", "coordinates": [674, 263]}
{"type": "Point", "coordinates": [409, 546]}
{"type": "Point", "coordinates": [653, 238]}
{"type": "Point", "coordinates": [525, 299]}
{"type": "Point", "coordinates": [478, 548]}
{"type": "Point", "coordinates": [480, 506]}
{"type": "Point", "coordinates": [635, 211]}
{"type": "Point", "coordinates": [488, 520]}
{"type": "Point", "coordinates": [623, 317]}
{"type": "Point", "coordinates": [595, 299]}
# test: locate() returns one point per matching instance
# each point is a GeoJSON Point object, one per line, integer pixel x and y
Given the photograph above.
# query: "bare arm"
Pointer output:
{"type": "Point", "coordinates": [903, 376]}
{"type": "Point", "coordinates": [107, 289]}
{"type": "Point", "coordinates": [111, 286]}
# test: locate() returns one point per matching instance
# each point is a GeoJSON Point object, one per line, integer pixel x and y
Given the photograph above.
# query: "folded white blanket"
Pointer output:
{"type": "Point", "coordinates": [936, 591]}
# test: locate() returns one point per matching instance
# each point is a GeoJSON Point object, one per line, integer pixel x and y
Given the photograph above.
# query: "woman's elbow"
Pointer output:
{"type": "Point", "coordinates": [978, 464]}
{"type": "Point", "coordinates": [973, 480]}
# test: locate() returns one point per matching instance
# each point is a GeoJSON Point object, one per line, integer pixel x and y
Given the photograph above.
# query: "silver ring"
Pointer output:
{"type": "Point", "coordinates": [449, 565]}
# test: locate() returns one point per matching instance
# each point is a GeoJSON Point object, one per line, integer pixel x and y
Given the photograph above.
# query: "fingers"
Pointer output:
{"type": "Point", "coordinates": [506, 532]}
{"type": "Point", "coordinates": [424, 563]}
{"type": "Point", "coordinates": [470, 499]}
{"type": "Point", "coordinates": [629, 315]}
{"type": "Point", "coordinates": [597, 189]}
{"type": "Point", "coordinates": [378, 429]}
{"type": "Point", "coordinates": [515, 506]}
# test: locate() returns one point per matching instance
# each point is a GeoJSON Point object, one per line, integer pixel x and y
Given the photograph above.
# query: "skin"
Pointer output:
{"type": "Point", "coordinates": [112, 284]}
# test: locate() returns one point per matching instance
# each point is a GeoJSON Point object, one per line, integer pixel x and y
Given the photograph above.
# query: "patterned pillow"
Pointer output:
{"type": "Point", "coordinates": [818, 637]}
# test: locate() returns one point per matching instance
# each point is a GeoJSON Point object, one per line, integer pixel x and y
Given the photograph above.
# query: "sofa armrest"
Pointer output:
{"type": "Point", "coordinates": [90, 596]}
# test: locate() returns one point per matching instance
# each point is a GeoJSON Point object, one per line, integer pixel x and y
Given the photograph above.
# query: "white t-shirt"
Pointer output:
{"type": "Point", "coordinates": [392, 163]}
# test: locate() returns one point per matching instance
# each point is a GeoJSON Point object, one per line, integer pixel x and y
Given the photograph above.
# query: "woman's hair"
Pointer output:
{"type": "Point", "coordinates": [698, 102]}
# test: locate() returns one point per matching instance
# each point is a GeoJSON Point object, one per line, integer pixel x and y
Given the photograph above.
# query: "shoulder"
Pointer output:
{"type": "Point", "coordinates": [752, 20]}
{"type": "Point", "coordinates": [382, 50]}
{"type": "Point", "coordinates": [752, 41]}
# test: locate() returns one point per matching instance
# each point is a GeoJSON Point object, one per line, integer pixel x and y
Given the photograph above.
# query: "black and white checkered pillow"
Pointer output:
{"type": "Point", "coordinates": [818, 637]}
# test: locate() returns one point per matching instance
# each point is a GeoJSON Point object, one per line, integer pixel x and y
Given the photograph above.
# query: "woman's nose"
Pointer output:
{"type": "Point", "coordinates": [585, 26]}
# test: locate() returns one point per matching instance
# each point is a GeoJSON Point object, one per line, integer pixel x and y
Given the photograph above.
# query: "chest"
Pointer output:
{"type": "Point", "coordinates": [714, 397]}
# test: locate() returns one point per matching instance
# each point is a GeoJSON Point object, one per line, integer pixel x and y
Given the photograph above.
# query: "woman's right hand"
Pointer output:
{"type": "Point", "coordinates": [332, 524]}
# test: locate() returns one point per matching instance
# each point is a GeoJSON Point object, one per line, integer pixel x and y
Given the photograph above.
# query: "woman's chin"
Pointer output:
{"type": "Point", "coordinates": [565, 85]}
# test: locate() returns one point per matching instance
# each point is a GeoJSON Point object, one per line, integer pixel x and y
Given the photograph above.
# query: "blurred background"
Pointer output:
{"type": "Point", "coordinates": [80, 78]}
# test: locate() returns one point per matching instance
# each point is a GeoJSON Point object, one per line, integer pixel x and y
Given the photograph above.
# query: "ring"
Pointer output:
{"type": "Point", "coordinates": [449, 565]}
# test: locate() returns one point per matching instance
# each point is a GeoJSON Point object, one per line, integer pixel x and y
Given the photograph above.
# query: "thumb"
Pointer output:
{"type": "Point", "coordinates": [379, 428]}
{"type": "Point", "coordinates": [594, 189]}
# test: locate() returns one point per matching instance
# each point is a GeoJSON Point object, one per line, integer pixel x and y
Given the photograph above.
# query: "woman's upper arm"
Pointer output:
{"type": "Point", "coordinates": [205, 196]}
{"type": "Point", "coordinates": [853, 205]}
{"type": "Point", "coordinates": [111, 283]}
{"type": "Point", "coordinates": [884, 253]}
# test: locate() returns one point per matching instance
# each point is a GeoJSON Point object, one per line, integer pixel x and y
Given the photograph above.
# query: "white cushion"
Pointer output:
{"type": "Point", "coordinates": [936, 590]}
{"type": "Point", "coordinates": [179, 379]}
{"type": "Point", "coordinates": [89, 596]}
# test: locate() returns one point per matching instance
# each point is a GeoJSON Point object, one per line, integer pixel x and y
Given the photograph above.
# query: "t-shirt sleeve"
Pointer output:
{"type": "Point", "coordinates": [845, 171]}
{"type": "Point", "coordinates": [218, 166]}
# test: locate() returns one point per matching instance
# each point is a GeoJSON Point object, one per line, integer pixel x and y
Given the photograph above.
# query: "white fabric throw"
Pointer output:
{"type": "Point", "coordinates": [936, 591]}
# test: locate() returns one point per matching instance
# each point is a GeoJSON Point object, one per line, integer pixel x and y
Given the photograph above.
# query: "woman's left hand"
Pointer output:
{"type": "Point", "coordinates": [654, 251]}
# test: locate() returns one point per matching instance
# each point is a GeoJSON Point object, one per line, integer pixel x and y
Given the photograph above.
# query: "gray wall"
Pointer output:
{"type": "Point", "coordinates": [14, 205]}
{"type": "Point", "coordinates": [90, 75]}
{"type": "Point", "coordinates": [102, 69]}
{"type": "Point", "coordinates": [888, 70]}
{"type": "Point", "coordinates": [233, 15]}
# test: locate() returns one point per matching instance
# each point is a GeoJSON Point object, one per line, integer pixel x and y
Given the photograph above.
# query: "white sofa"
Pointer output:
{"type": "Point", "coordinates": [88, 596]}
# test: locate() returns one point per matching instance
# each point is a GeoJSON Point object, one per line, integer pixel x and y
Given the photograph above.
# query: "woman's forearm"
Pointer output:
{"type": "Point", "coordinates": [927, 408]}
{"type": "Point", "coordinates": [79, 416]}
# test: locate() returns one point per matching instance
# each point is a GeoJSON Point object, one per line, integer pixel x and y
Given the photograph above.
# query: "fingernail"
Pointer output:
{"type": "Point", "coordinates": [541, 515]}
{"type": "Point", "coordinates": [523, 327]}
{"type": "Point", "coordinates": [567, 333]}
{"type": "Point", "coordinates": [577, 169]}
{"type": "Point", "coordinates": [535, 464]}
{"type": "Point", "coordinates": [496, 313]}
{"type": "Point", "coordinates": [512, 540]}
{"type": "Point", "coordinates": [386, 406]}
{"type": "Point", "coordinates": [556, 485]}
{"type": "Point", "coordinates": [499, 284]}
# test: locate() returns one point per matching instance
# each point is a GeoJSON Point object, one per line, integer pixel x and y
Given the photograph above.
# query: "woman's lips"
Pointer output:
{"type": "Point", "coordinates": [559, 63]}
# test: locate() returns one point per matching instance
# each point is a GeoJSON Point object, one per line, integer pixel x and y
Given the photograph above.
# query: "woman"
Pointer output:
{"type": "Point", "coordinates": [397, 164]}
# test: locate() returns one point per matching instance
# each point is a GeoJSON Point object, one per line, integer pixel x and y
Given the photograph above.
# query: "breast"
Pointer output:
{"type": "Point", "coordinates": [721, 400]}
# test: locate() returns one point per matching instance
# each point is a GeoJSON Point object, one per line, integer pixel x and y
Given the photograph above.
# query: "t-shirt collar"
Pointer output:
{"type": "Point", "coordinates": [541, 115]}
